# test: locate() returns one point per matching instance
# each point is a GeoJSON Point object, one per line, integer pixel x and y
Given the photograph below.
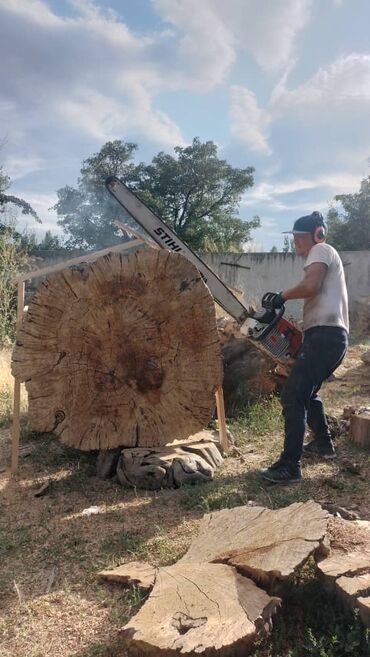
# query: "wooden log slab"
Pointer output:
{"type": "Point", "coordinates": [348, 574]}
{"type": "Point", "coordinates": [199, 609]}
{"type": "Point", "coordinates": [261, 543]}
{"type": "Point", "coordinates": [123, 351]}
{"type": "Point", "coordinates": [135, 573]}
{"type": "Point", "coordinates": [360, 428]}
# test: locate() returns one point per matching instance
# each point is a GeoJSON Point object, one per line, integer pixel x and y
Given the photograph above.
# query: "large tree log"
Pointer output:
{"type": "Point", "coordinates": [259, 542]}
{"type": "Point", "coordinates": [123, 351]}
{"type": "Point", "coordinates": [205, 609]}
{"type": "Point", "coordinates": [249, 371]}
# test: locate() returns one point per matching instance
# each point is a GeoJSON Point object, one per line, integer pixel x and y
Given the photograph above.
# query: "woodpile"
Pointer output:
{"type": "Point", "coordinates": [123, 351]}
{"type": "Point", "coordinates": [219, 597]}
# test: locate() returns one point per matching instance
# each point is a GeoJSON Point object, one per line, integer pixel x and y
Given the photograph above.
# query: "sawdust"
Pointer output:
{"type": "Point", "coordinates": [347, 536]}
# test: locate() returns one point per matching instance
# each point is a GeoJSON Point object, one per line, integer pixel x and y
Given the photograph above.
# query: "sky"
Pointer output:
{"type": "Point", "coordinates": [280, 85]}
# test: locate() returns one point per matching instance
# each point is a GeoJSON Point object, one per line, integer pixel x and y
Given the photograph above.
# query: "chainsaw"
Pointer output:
{"type": "Point", "coordinates": [279, 337]}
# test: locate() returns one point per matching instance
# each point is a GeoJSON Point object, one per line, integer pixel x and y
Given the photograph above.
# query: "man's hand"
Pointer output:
{"type": "Point", "coordinates": [273, 300]}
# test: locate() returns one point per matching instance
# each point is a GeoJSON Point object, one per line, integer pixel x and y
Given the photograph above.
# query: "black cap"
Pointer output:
{"type": "Point", "coordinates": [307, 224]}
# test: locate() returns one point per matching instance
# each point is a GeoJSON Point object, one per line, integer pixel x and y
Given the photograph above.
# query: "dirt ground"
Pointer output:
{"type": "Point", "coordinates": [49, 543]}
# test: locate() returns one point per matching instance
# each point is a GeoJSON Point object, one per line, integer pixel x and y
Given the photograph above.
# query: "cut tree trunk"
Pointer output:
{"type": "Point", "coordinates": [121, 352]}
{"type": "Point", "coordinates": [249, 371]}
{"type": "Point", "coordinates": [261, 543]}
{"type": "Point", "coordinates": [210, 603]}
{"type": "Point", "coordinates": [360, 428]}
{"type": "Point", "coordinates": [348, 574]}
{"type": "Point", "coordinates": [205, 609]}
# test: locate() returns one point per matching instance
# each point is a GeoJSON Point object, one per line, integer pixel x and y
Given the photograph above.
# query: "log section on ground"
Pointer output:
{"type": "Point", "coordinates": [360, 428]}
{"type": "Point", "coordinates": [121, 352]}
{"type": "Point", "coordinates": [259, 542]}
{"type": "Point", "coordinates": [205, 609]}
{"type": "Point", "coordinates": [349, 574]}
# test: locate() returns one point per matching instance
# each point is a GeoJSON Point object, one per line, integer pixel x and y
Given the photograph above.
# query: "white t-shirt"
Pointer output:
{"type": "Point", "coordinates": [329, 307]}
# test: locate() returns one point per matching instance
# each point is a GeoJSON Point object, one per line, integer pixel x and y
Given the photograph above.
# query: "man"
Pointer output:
{"type": "Point", "coordinates": [325, 341]}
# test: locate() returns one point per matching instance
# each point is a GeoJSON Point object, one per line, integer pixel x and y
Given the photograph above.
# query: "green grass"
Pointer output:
{"type": "Point", "coordinates": [313, 623]}
{"type": "Point", "coordinates": [257, 420]}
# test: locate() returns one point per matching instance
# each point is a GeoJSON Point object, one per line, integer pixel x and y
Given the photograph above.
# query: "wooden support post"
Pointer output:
{"type": "Point", "coordinates": [224, 441]}
{"type": "Point", "coordinates": [17, 389]}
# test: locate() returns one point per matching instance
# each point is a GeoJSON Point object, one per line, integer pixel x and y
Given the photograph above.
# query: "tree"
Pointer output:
{"type": "Point", "coordinates": [349, 230]}
{"type": "Point", "coordinates": [194, 192]}
{"type": "Point", "coordinates": [5, 199]}
{"type": "Point", "coordinates": [197, 194]}
{"type": "Point", "coordinates": [86, 212]}
{"type": "Point", "coordinates": [273, 249]}
{"type": "Point", "coordinates": [12, 259]}
{"type": "Point", "coordinates": [288, 245]}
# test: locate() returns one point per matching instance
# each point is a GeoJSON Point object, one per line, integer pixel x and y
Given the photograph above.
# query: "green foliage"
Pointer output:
{"type": "Point", "coordinates": [86, 212]}
{"type": "Point", "coordinates": [5, 199]}
{"type": "Point", "coordinates": [321, 626]}
{"type": "Point", "coordinates": [12, 259]}
{"type": "Point", "coordinates": [288, 245]}
{"type": "Point", "coordinates": [349, 229]}
{"type": "Point", "coordinates": [197, 194]}
{"type": "Point", "coordinates": [194, 192]}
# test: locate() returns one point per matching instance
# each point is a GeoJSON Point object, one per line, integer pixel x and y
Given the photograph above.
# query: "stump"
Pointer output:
{"type": "Point", "coordinates": [121, 352]}
{"type": "Point", "coordinates": [205, 609]}
{"type": "Point", "coordinates": [360, 428]}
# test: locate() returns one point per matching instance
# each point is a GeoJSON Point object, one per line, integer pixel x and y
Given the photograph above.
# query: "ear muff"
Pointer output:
{"type": "Point", "coordinates": [319, 234]}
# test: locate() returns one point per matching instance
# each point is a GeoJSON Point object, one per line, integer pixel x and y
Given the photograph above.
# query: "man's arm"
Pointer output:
{"type": "Point", "coordinates": [310, 284]}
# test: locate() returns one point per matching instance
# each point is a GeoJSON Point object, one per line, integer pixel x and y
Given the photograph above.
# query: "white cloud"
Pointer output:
{"type": "Point", "coordinates": [336, 88]}
{"type": "Point", "coordinates": [248, 121]}
{"type": "Point", "coordinates": [213, 30]}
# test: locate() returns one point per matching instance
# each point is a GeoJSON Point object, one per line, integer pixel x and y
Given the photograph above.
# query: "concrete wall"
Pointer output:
{"type": "Point", "coordinates": [257, 273]}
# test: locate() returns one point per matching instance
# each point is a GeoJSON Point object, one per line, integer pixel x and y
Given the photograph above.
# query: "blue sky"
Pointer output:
{"type": "Point", "coordinates": [282, 85]}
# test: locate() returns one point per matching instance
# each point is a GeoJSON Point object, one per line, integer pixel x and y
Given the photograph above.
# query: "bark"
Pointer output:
{"type": "Point", "coordinates": [121, 352]}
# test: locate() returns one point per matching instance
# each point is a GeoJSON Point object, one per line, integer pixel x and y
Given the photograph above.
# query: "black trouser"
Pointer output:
{"type": "Point", "coordinates": [322, 351]}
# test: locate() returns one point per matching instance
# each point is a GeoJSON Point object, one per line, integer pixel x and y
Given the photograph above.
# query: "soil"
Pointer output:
{"type": "Point", "coordinates": [80, 617]}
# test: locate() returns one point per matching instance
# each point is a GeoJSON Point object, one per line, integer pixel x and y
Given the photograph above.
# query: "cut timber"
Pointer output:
{"type": "Point", "coordinates": [121, 351]}
{"type": "Point", "coordinates": [199, 609]}
{"type": "Point", "coordinates": [190, 462]}
{"type": "Point", "coordinates": [135, 573]}
{"type": "Point", "coordinates": [259, 542]}
{"type": "Point", "coordinates": [360, 429]}
{"type": "Point", "coordinates": [249, 371]}
{"type": "Point", "coordinates": [349, 575]}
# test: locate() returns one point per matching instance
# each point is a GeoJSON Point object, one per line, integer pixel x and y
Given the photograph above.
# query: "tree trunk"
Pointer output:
{"type": "Point", "coordinates": [205, 609]}
{"type": "Point", "coordinates": [121, 352]}
{"type": "Point", "coordinates": [360, 428]}
{"type": "Point", "coordinates": [249, 371]}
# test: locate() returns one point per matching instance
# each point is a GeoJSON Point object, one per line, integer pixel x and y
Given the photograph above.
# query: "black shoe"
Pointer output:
{"type": "Point", "coordinates": [320, 448]}
{"type": "Point", "coordinates": [282, 473]}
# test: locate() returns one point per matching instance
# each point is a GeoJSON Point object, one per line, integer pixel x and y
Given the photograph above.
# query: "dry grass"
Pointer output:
{"type": "Point", "coordinates": [6, 389]}
{"type": "Point", "coordinates": [81, 617]}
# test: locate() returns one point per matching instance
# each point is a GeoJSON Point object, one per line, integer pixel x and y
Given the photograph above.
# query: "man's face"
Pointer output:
{"type": "Point", "coordinates": [303, 244]}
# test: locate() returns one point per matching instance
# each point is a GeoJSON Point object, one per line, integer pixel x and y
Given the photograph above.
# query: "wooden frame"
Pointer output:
{"type": "Point", "coordinates": [38, 273]}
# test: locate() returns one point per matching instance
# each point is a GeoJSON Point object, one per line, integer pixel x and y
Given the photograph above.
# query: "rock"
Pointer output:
{"type": "Point", "coordinates": [366, 357]}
